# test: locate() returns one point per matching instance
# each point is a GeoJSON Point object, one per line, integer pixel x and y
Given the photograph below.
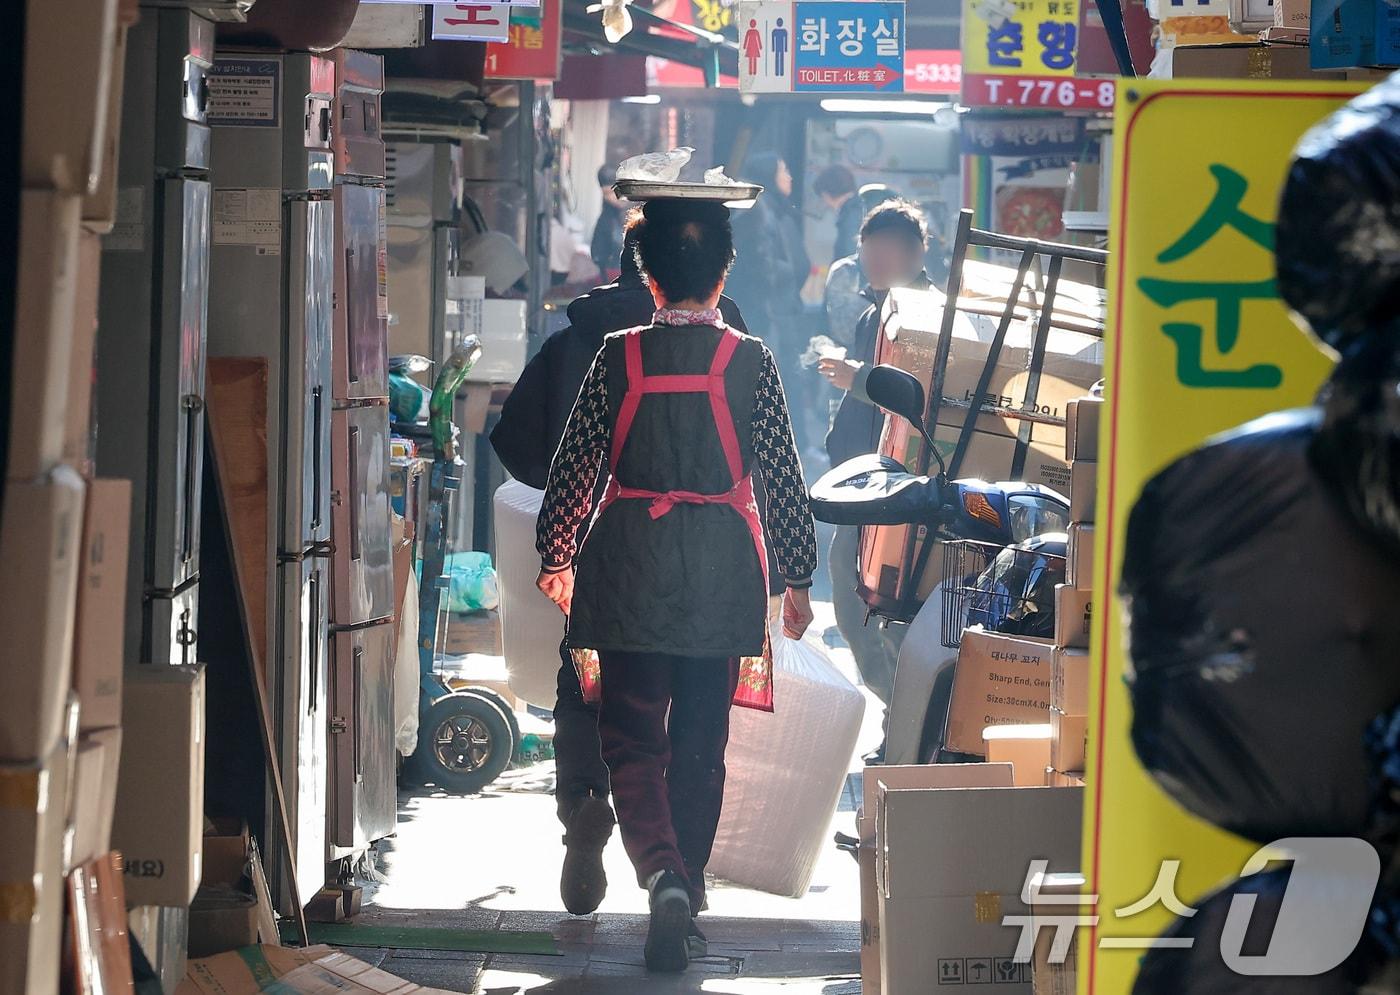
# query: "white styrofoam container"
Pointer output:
{"type": "Point", "coordinates": [785, 772]}
{"type": "Point", "coordinates": [531, 627]}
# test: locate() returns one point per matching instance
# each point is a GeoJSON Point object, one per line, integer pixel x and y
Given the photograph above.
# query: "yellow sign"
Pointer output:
{"type": "Point", "coordinates": [1198, 342]}
{"type": "Point", "coordinates": [1020, 37]}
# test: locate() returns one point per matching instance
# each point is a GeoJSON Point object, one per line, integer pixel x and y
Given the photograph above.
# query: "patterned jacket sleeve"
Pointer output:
{"type": "Point", "coordinates": [790, 527]}
{"type": "Point", "coordinates": [568, 496]}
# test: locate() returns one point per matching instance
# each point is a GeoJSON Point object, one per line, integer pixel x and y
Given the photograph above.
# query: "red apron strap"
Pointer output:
{"type": "Point", "coordinates": [636, 384]}
{"type": "Point", "coordinates": [719, 404]}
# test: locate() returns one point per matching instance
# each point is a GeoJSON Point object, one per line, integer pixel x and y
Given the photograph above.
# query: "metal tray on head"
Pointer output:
{"type": "Point", "coordinates": [735, 195]}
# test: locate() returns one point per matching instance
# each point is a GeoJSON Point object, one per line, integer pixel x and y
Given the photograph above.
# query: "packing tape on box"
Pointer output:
{"type": "Point", "coordinates": [18, 902]}
{"type": "Point", "coordinates": [986, 907]}
{"type": "Point", "coordinates": [20, 788]}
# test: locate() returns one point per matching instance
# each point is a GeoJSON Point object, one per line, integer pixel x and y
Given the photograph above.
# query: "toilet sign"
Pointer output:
{"type": "Point", "coordinates": [832, 46]}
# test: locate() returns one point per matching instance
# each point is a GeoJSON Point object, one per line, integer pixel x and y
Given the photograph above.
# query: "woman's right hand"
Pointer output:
{"type": "Point", "coordinates": [797, 612]}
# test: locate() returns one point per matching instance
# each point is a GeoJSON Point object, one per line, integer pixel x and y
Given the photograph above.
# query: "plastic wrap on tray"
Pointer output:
{"type": "Point", "coordinates": [1201, 970]}
{"type": "Point", "coordinates": [1262, 636]}
{"type": "Point", "coordinates": [1338, 236]}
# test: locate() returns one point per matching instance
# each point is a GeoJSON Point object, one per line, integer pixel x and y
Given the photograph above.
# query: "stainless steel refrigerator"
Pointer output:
{"type": "Point", "coordinates": [151, 339]}
{"type": "Point", "coordinates": [426, 313]}
{"type": "Point", "coordinates": [362, 796]}
{"type": "Point", "coordinates": [271, 290]}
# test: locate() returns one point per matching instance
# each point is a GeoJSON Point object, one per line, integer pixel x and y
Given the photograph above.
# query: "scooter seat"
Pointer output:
{"type": "Point", "coordinates": [874, 490]}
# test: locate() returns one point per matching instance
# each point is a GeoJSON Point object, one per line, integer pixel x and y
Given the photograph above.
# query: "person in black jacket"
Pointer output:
{"type": "Point", "coordinates": [531, 426]}
{"type": "Point", "coordinates": [893, 238]}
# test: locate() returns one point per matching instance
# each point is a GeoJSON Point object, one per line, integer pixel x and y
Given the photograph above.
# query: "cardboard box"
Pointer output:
{"type": "Point", "coordinates": [1073, 617]}
{"type": "Point", "coordinates": [227, 849]}
{"type": "Point", "coordinates": [222, 918]}
{"type": "Point", "coordinates": [101, 620]}
{"type": "Point", "coordinates": [317, 970]}
{"type": "Point", "coordinates": [93, 800]}
{"type": "Point", "coordinates": [999, 680]}
{"type": "Point", "coordinates": [1054, 959]}
{"type": "Point", "coordinates": [1083, 490]}
{"type": "Point", "coordinates": [1063, 779]}
{"type": "Point", "coordinates": [162, 770]}
{"type": "Point", "coordinates": [32, 816]}
{"type": "Point", "coordinates": [954, 863]}
{"type": "Point", "coordinates": [1079, 564]}
{"type": "Point", "coordinates": [1082, 417]}
{"type": "Point", "coordinates": [97, 955]}
{"type": "Point", "coordinates": [1069, 680]}
{"type": "Point", "coordinates": [77, 429]}
{"type": "Point", "coordinates": [1026, 748]}
{"type": "Point", "coordinates": [46, 299]}
{"type": "Point", "coordinates": [1293, 15]}
{"type": "Point", "coordinates": [1068, 743]}
{"type": "Point", "coordinates": [100, 205]}
{"type": "Point", "coordinates": [1253, 61]}
{"type": "Point", "coordinates": [1347, 34]}
{"type": "Point", "coordinates": [65, 122]}
{"type": "Point", "coordinates": [913, 776]}
{"type": "Point", "coordinates": [40, 544]}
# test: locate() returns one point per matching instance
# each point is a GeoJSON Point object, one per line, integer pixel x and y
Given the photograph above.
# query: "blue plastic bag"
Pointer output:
{"type": "Point", "coordinates": [474, 587]}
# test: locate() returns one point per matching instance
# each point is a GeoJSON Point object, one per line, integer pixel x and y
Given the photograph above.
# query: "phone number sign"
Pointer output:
{"type": "Point", "coordinates": [1024, 53]}
{"type": "Point", "coordinates": [821, 45]}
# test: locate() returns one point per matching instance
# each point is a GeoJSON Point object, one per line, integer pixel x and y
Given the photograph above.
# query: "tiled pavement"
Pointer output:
{"type": "Point", "coordinates": [492, 862]}
{"type": "Point", "coordinates": [603, 954]}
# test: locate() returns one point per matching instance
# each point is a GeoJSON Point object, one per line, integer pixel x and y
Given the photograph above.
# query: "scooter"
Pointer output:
{"type": "Point", "coordinates": [879, 490]}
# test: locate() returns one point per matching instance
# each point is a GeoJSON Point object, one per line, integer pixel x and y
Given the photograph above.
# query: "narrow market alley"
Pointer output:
{"type": "Point", "coordinates": [700, 497]}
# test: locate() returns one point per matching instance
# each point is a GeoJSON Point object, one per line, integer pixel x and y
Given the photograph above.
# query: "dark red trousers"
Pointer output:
{"type": "Point", "coordinates": [667, 775]}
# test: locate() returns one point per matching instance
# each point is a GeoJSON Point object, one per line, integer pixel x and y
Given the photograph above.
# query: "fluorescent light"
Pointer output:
{"type": "Point", "coordinates": [845, 105]}
{"type": "Point", "coordinates": [650, 98]}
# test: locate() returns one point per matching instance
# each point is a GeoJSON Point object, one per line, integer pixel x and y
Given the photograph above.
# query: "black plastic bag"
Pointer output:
{"type": "Point", "coordinates": [1357, 448]}
{"type": "Point", "coordinates": [1264, 631]}
{"type": "Point", "coordinates": [1201, 970]}
{"type": "Point", "coordinates": [1338, 237]}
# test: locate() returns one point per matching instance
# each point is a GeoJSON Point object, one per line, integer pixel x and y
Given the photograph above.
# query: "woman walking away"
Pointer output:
{"type": "Point", "coordinates": [667, 596]}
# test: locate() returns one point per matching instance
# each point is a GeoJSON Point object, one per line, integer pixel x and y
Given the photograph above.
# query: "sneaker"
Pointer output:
{"type": "Point", "coordinates": [667, 948]}
{"type": "Point", "coordinates": [583, 882]}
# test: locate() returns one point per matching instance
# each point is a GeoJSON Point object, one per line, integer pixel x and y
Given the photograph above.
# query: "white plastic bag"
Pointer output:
{"type": "Point", "coordinates": [785, 772]}
{"type": "Point", "coordinates": [531, 626]}
{"type": "Point", "coordinates": [406, 672]}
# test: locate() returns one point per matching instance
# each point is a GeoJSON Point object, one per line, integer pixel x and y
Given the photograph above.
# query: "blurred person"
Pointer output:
{"type": "Point", "coordinates": [893, 239]}
{"type": "Point", "coordinates": [667, 596]}
{"type": "Point", "coordinates": [844, 296]}
{"type": "Point", "coordinates": [837, 188]}
{"type": "Point", "coordinates": [526, 437]}
{"type": "Point", "coordinates": [607, 232]}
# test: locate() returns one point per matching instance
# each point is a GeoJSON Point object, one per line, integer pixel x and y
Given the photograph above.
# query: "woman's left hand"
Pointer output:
{"type": "Point", "coordinates": [558, 587]}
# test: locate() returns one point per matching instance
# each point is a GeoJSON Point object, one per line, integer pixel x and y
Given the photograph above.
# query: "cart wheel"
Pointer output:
{"type": "Point", "coordinates": [495, 698]}
{"type": "Point", "coordinates": [464, 742]}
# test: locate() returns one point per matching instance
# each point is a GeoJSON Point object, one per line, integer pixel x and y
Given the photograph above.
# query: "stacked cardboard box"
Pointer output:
{"type": "Point", "coordinates": [64, 533]}
{"type": "Point", "coordinates": [1074, 600]}
{"type": "Point", "coordinates": [999, 681]}
{"type": "Point", "coordinates": [951, 864]}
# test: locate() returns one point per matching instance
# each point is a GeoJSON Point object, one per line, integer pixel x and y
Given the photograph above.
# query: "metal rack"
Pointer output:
{"type": "Point", "coordinates": [1032, 252]}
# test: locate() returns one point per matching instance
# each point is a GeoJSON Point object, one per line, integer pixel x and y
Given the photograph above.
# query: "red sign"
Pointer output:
{"type": "Point", "coordinates": [1046, 92]}
{"type": "Point", "coordinates": [932, 70]}
{"type": "Point", "coordinates": [534, 47]}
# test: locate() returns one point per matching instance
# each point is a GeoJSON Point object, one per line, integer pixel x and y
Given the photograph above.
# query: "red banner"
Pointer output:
{"type": "Point", "coordinates": [534, 47]}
